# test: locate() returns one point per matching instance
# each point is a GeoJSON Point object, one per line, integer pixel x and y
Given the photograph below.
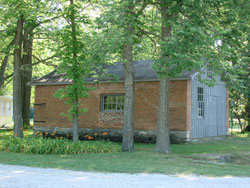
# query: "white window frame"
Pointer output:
{"type": "Point", "coordinates": [200, 102]}
{"type": "Point", "coordinates": [116, 104]}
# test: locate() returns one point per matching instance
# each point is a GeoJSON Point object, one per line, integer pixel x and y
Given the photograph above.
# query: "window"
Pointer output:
{"type": "Point", "coordinates": [112, 102]}
{"type": "Point", "coordinates": [209, 72]}
{"type": "Point", "coordinates": [8, 108]}
{"type": "Point", "coordinates": [200, 102]}
{"type": "Point", "coordinates": [3, 108]}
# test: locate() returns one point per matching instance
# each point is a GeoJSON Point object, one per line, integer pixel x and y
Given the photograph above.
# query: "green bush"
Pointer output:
{"type": "Point", "coordinates": [39, 145]}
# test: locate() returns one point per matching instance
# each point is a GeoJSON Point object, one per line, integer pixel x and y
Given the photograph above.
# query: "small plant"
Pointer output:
{"type": "Point", "coordinates": [59, 145]}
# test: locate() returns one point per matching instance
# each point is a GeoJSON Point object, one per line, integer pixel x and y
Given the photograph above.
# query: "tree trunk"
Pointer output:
{"type": "Point", "coordinates": [4, 63]}
{"type": "Point", "coordinates": [3, 67]}
{"type": "Point", "coordinates": [26, 75]}
{"type": "Point", "coordinates": [247, 110]}
{"type": "Point", "coordinates": [75, 124]}
{"type": "Point", "coordinates": [74, 47]}
{"type": "Point", "coordinates": [239, 120]}
{"type": "Point", "coordinates": [17, 94]}
{"type": "Point", "coordinates": [163, 138]}
{"type": "Point", "coordinates": [128, 123]}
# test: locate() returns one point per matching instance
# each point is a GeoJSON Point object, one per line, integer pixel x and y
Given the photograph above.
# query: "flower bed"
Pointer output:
{"type": "Point", "coordinates": [39, 145]}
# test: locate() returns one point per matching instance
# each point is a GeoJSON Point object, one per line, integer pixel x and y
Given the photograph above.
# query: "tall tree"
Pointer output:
{"type": "Point", "coordinates": [128, 123]}
{"type": "Point", "coordinates": [26, 74]}
{"type": "Point", "coordinates": [74, 61]}
{"type": "Point", "coordinates": [163, 138]}
{"type": "Point", "coordinates": [34, 24]}
{"type": "Point", "coordinates": [235, 47]}
{"type": "Point", "coordinates": [17, 100]}
{"type": "Point", "coordinates": [195, 34]}
{"type": "Point", "coordinates": [32, 14]}
{"type": "Point", "coordinates": [120, 22]}
{"type": "Point", "coordinates": [76, 76]}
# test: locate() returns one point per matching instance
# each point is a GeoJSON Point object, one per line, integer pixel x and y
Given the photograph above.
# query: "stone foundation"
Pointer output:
{"type": "Point", "coordinates": [142, 136]}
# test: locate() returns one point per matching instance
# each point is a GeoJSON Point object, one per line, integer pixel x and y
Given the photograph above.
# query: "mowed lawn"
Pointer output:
{"type": "Point", "coordinates": [189, 158]}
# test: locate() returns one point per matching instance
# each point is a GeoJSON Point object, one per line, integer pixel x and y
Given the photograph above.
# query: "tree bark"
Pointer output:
{"type": "Point", "coordinates": [163, 137]}
{"type": "Point", "coordinates": [128, 123]}
{"type": "Point", "coordinates": [3, 67]}
{"type": "Point", "coordinates": [75, 123]}
{"type": "Point", "coordinates": [239, 120]}
{"type": "Point", "coordinates": [5, 62]}
{"type": "Point", "coordinates": [74, 47]}
{"type": "Point", "coordinates": [17, 94]}
{"type": "Point", "coordinates": [247, 110]}
{"type": "Point", "coordinates": [26, 75]}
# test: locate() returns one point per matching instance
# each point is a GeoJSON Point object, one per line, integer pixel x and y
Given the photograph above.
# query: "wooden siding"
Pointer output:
{"type": "Point", "coordinates": [214, 122]}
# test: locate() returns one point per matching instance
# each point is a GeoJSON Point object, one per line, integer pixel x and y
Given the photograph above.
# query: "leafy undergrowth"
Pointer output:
{"type": "Point", "coordinates": [40, 145]}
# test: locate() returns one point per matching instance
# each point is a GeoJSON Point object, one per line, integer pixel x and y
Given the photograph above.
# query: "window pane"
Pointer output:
{"type": "Point", "coordinates": [113, 106]}
{"type": "Point", "coordinates": [8, 108]}
{"type": "Point", "coordinates": [109, 99]}
{"type": "Point", "coordinates": [200, 90]}
{"type": "Point", "coordinates": [109, 106]}
{"type": "Point", "coordinates": [119, 99]}
{"type": "Point", "coordinates": [114, 99]}
{"type": "Point", "coordinates": [200, 109]}
{"type": "Point", "coordinates": [105, 102]}
{"type": "Point", "coordinates": [200, 97]}
{"type": "Point", "coordinates": [200, 94]}
{"type": "Point", "coordinates": [119, 106]}
{"type": "Point", "coordinates": [113, 103]}
{"type": "Point", "coordinates": [2, 108]}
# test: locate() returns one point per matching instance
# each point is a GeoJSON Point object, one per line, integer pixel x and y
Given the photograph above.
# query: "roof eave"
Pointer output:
{"type": "Point", "coordinates": [108, 81]}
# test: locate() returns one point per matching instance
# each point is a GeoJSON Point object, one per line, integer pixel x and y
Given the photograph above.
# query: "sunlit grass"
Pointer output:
{"type": "Point", "coordinates": [187, 158]}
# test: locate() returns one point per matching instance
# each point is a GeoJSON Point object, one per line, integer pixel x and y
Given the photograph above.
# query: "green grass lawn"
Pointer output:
{"type": "Point", "coordinates": [186, 158]}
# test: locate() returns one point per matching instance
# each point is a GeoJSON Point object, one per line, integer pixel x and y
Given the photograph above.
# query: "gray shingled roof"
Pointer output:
{"type": "Point", "coordinates": [143, 71]}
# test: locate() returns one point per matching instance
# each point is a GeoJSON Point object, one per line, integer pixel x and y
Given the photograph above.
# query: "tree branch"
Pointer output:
{"type": "Point", "coordinates": [147, 33]}
{"type": "Point", "coordinates": [5, 62]}
{"type": "Point", "coordinates": [153, 41]}
{"type": "Point", "coordinates": [66, 19]}
{"type": "Point", "coordinates": [7, 77]}
{"type": "Point", "coordinates": [10, 79]}
{"type": "Point", "coordinates": [45, 21]}
{"type": "Point", "coordinates": [42, 60]}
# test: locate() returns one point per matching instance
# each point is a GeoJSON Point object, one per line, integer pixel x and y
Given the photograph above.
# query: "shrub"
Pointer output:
{"type": "Point", "coordinates": [39, 145]}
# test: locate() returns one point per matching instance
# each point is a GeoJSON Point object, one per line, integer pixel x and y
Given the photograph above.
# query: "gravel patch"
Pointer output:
{"type": "Point", "coordinates": [29, 177]}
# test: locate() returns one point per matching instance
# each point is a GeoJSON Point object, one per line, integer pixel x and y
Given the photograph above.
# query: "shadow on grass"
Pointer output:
{"type": "Point", "coordinates": [144, 160]}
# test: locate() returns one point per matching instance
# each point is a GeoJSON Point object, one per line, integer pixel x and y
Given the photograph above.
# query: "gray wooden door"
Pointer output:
{"type": "Point", "coordinates": [212, 124]}
{"type": "Point", "coordinates": [216, 121]}
{"type": "Point", "coordinates": [221, 120]}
